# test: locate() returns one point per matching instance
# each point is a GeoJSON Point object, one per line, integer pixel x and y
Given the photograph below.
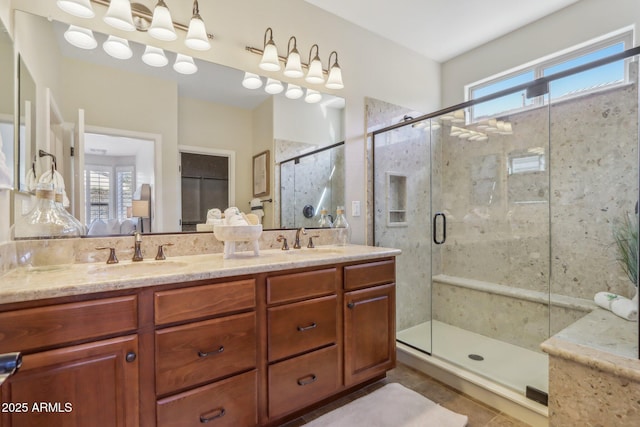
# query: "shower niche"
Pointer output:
{"type": "Point", "coordinates": [396, 189]}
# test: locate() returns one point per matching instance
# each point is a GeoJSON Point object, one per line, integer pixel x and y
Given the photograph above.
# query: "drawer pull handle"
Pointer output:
{"type": "Point", "coordinates": [218, 413]}
{"type": "Point", "coordinates": [306, 328]}
{"type": "Point", "coordinates": [307, 380]}
{"type": "Point", "coordinates": [218, 351]}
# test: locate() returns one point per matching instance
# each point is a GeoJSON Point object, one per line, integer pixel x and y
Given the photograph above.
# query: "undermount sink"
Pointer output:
{"type": "Point", "coordinates": [315, 251]}
{"type": "Point", "coordinates": [142, 267]}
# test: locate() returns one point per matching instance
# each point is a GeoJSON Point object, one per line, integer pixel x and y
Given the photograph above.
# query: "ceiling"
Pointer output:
{"type": "Point", "coordinates": [441, 29]}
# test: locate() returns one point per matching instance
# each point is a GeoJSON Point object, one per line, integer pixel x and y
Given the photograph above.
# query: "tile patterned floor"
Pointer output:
{"type": "Point", "coordinates": [479, 414]}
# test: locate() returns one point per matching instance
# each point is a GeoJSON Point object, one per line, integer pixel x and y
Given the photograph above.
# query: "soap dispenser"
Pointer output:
{"type": "Point", "coordinates": [325, 220]}
{"type": "Point", "coordinates": [343, 231]}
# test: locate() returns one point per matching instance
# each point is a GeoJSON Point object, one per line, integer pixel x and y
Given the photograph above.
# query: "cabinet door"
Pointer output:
{"type": "Point", "coordinates": [369, 333]}
{"type": "Point", "coordinates": [85, 385]}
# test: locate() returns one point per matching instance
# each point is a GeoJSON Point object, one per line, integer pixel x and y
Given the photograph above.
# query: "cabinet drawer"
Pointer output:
{"type": "Point", "coordinates": [201, 301]}
{"type": "Point", "coordinates": [196, 353]}
{"type": "Point", "coordinates": [301, 381]}
{"type": "Point", "coordinates": [231, 402]}
{"type": "Point", "coordinates": [302, 326]}
{"type": "Point", "coordinates": [41, 327]}
{"type": "Point", "coordinates": [293, 287]}
{"type": "Point", "coordinates": [369, 274]}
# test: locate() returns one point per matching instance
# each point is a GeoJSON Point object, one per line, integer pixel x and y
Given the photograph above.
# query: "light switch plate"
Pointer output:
{"type": "Point", "coordinates": [355, 208]}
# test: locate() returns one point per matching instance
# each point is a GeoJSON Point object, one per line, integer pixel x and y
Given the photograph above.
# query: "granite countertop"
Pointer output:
{"type": "Point", "coordinates": [601, 340]}
{"type": "Point", "coordinates": [27, 284]}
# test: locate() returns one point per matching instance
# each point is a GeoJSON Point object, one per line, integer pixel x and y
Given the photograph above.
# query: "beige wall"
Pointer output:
{"type": "Point", "coordinates": [263, 140]}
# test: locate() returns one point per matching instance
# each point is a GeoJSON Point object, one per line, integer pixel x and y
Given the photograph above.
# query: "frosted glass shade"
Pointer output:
{"type": "Point", "coordinates": [184, 64]}
{"type": "Point", "coordinates": [161, 24]}
{"type": "Point", "coordinates": [197, 38]}
{"type": "Point", "coordinates": [293, 67]}
{"type": "Point", "coordinates": [273, 86]}
{"type": "Point", "coordinates": [80, 37]}
{"type": "Point", "coordinates": [119, 15]}
{"type": "Point", "coordinates": [251, 81]}
{"type": "Point", "coordinates": [293, 91]}
{"type": "Point", "coordinates": [314, 75]}
{"type": "Point", "coordinates": [312, 96]}
{"type": "Point", "coordinates": [154, 57]}
{"type": "Point", "coordinates": [270, 61]}
{"type": "Point", "coordinates": [80, 8]}
{"type": "Point", "coordinates": [117, 47]}
{"type": "Point", "coordinates": [335, 78]}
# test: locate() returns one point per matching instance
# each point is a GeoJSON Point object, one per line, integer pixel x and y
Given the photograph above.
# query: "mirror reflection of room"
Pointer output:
{"type": "Point", "coordinates": [199, 111]}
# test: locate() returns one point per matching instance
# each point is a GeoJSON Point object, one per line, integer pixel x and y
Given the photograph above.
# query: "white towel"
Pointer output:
{"type": "Point", "coordinates": [619, 305]}
{"type": "Point", "coordinates": [54, 177]}
{"type": "Point", "coordinates": [257, 208]}
{"type": "Point", "coordinates": [214, 216]}
{"type": "Point", "coordinates": [30, 181]}
{"type": "Point", "coordinates": [233, 216]}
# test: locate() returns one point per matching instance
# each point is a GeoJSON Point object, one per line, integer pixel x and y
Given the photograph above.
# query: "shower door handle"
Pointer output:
{"type": "Point", "coordinates": [435, 228]}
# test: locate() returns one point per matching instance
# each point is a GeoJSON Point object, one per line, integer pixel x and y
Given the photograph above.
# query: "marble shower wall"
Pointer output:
{"type": "Point", "coordinates": [316, 180]}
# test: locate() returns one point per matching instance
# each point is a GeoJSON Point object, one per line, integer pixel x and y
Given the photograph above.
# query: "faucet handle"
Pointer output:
{"type": "Point", "coordinates": [310, 244]}
{"type": "Point", "coordinates": [285, 245]}
{"type": "Point", "coordinates": [112, 254]}
{"type": "Point", "coordinates": [160, 255]}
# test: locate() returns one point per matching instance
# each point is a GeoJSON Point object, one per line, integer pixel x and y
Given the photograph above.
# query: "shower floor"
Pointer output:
{"type": "Point", "coordinates": [507, 364]}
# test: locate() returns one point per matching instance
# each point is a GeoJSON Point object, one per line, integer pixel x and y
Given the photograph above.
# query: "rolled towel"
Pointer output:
{"type": "Point", "coordinates": [213, 215]}
{"type": "Point", "coordinates": [619, 305]}
{"type": "Point", "coordinates": [257, 208]}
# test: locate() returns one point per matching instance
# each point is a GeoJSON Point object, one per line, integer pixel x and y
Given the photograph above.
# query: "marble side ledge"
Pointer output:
{"type": "Point", "coordinates": [557, 300]}
{"type": "Point", "coordinates": [600, 340]}
{"type": "Point", "coordinates": [33, 283]}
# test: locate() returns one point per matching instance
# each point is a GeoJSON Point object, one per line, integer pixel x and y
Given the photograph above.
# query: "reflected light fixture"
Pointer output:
{"type": "Point", "coordinates": [293, 91]}
{"type": "Point", "coordinates": [335, 74]}
{"type": "Point", "coordinates": [161, 24]}
{"type": "Point", "coordinates": [312, 96]}
{"type": "Point", "coordinates": [292, 66]}
{"type": "Point", "coordinates": [251, 81]}
{"type": "Point", "coordinates": [270, 60]}
{"type": "Point", "coordinates": [117, 47]}
{"type": "Point", "coordinates": [119, 15]}
{"type": "Point", "coordinates": [184, 64]}
{"type": "Point", "coordinates": [80, 37]}
{"type": "Point", "coordinates": [273, 86]}
{"type": "Point", "coordinates": [79, 8]}
{"type": "Point", "coordinates": [314, 75]}
{"type": "Point", "coordinates": [154, 57]}
{"type": "Point", "coordinates": [197, 38]}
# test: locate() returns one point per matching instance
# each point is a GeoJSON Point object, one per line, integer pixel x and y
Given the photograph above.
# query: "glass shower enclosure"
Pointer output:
{"type": "Point", "coordinates": [506, 210]}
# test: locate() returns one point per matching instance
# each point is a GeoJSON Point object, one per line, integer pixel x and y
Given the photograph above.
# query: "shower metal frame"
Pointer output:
{"type": "Point", "coordinates": [537, 87]}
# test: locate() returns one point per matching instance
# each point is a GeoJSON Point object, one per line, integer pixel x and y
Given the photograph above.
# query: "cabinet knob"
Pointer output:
{"type": "Point", "coordinates": [351, 304]}
{"type": "Point", "coordinates": [131, 356]}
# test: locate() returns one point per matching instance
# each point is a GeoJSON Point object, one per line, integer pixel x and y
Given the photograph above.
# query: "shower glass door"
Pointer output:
{"type": "Point", "coordinates": [490, 239]}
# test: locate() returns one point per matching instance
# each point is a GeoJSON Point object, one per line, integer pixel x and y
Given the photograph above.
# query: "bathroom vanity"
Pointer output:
{"type": "Point", "coordinates": [200, 339]}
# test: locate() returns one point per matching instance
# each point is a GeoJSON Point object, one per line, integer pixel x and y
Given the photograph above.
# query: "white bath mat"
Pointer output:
{"type": "Point", "coordinates": [391, 406]}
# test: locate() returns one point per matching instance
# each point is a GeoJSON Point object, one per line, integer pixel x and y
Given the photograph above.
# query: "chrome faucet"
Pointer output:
{"type": "Point", "coordinates": [137, 252]}
{"type": "Point", "coordinates": [296, 244]}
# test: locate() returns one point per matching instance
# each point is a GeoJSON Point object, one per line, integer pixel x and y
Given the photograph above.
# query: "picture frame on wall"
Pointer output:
{"type": "Point", "coordinates": [261, 174]}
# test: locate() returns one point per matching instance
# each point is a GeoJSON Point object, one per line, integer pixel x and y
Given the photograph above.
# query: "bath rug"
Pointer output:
{"type": "Point", "coordinates": [391, 406]}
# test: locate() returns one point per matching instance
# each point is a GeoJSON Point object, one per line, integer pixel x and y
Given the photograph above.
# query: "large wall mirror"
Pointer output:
{"type": "Point", "coordinates": [129, 124]}
{"type": "Point", "coordinates": [6, 109]}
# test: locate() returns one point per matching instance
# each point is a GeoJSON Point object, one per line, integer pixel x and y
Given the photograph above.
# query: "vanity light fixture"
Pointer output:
{"type": "Point", "coordinates": [154, 57]}
{"type": "Point", "coordinates": [293, 91]}
{"type": "Point", "coordinates": [312, 96]}
{"type": "Point", "coordinates": [79, 8]}
{"type": "Point", "coordinates": [315, 74]}
{"type": "Point", "coordinates": [119, 15]}
{"type": "Point", "coordinates": [292, 66]}
{"type": "Point", "coordinates": [161, 24]}
{"type": "Point", "coordinates": [80, 37]}
{"type": "Point", "coordinates": [251, 81]}
{"type": "Point", "coordinates": [335, 74]}
{"type": "Point", "coordinates": [197, 38]}
{"type": "Point", "coordinates": [117, 47]}
{"type": "Point", "coordinates": [270, 60]}
{"type": "Point", "coordinates": [184, 64]}
{"type": "Point", "coordinates": [273, 86]}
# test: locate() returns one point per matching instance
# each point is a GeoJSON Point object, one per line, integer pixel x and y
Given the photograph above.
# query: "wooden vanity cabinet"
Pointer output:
{"type": "Point", "coordinates": [369, 320]}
